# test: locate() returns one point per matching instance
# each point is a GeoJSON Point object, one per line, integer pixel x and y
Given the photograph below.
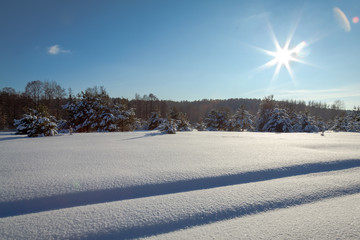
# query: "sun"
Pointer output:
{"type": "Point", "coordinates": [283, 56]}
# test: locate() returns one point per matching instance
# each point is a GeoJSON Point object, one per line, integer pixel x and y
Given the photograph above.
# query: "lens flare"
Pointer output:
{"type": "Point", "coordinates": [342, 19]}
{"type": "Point", "coordinates": [302, 50]}
{"type": "Point", "coordinates": [355, 19]}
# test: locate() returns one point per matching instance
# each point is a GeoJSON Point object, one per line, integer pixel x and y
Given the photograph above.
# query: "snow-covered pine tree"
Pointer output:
{"type": "Point", "coordinates": [140, 124]}
{"type": "Point", "coordinates": [217, 120]}
{"type": "Point", "coordinates": [168, 126]}
{"type": "Point", "coordinates": [305, 123]}
{"type": "Point", "coordinates": [267, 105]}
{"type": "Point", "coordinates": [43, 126]}
{"type": "Point", "coordinates": [63, 126]}
{"type": "Point", "coordinates": [126, 120]}
{"type": "Point", "coordinates": [36, 123]}
{"type": "Point", "coordinates": [354, 120]}
{"type": "Point", "coordinates": [200, 126]}
{"type": "Point", "coordinates": [278, 121]}
{"type": "Point", "coordinates": [154, 121]}
{"type": "Point", "coordinates": [321, 124]}
{"type": "Point", "coordinates": [348, 123]}
{"type": "Point", "coordinates": [340, 124]}
{"type": "Point", "coordinates": [86, 110]}
{"type": "Point", "coordinates": [24, 124]}
{"type": "Point", "coordinates": [241, 120]}
{"type": "Point", "coordinates": [180, 119]}
{"type": "Point", "coordinates": [93, 110]}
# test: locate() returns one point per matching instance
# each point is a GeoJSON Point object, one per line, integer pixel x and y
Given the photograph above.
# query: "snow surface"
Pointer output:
{"type": "Point", "coordinates": [219, 185]}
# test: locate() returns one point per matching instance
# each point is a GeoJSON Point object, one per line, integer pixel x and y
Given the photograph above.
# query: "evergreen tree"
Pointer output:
{"type": "Point", "coordinates": [241, 120]}
{"type": "Point", "coordinates": [305, 123]}
{"type": "Point", "coordinates": [180, 119]}
{"type": "Point", "coordinates": [154, 121]}
{"type": "Point", "coordinates": [200, 126]}
{"type": "Point", "coordinates": [266, 108]}
{"type": "Point", "coordinates": [348, 123]}
{"type": "Point", "coordinates": [217, 120]}
{"type": "Point", "coordinates": [93, 110]}
{"type": "Point", "coordinates": [168, 126]}
{"type": "Point", "coordinates": [278, 121]}
{"type": "Point", "coordinates": [36, 123]}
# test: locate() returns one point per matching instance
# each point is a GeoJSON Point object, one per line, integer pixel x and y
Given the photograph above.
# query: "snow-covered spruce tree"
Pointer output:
{"type": "Point", "coordinates": [200, 126]}
{"type": "Point", "coordinates": [168, 126]}
{"type": "Point", "coordinates": [44, 126]}
{"type": "Point", "coordinates": [278, 121]}
{"type": "Point", "coordinates": [354, 120]}
{"type": "Point", "coordinates": [154, 121]}
{"type": "Point", "coordinates": [127, 120]}
{"type": "Point", "coordinates": [36, 123]}
{"type": "Point", "coordinates": [305, 123]}
{"type": "Point", "coordinates": [93, 110]}
{"type": "Point", "coordinates": [140, 124]}
{"type": "Point", "coordinates": [63, 126]}
{"type": "Point", "coordinates": [241, 120]}
{"type": "Point", "coordinates": [86, 109]}
{"type": "Point", "coordinates": [348, 123]}
{"type": "Point", "coordinates": [340, 124]}
{"type": "Point", "coordinates": [321, 124]}
{"type": "Point", "coordinates": [180, 119]}
{"type": "Point", "coordinates": [217, 120]}
{"type": "Point", "coordinates": [117, 118]}
{"type": "Point", "coordinates": [267, 105]}
{"type": "Point", "coordinates": [24, 124]}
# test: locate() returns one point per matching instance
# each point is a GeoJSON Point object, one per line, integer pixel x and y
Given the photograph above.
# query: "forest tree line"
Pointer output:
{"type": "Point", "coordinates": [49, 94]}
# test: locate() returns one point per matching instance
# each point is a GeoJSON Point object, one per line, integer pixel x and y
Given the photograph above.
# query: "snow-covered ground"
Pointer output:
{"type": "Point", "coordinates": [191, 185]}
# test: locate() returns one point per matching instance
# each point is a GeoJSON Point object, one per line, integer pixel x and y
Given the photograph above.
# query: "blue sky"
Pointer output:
{"type": "Point", "coordinates": [183, 50]}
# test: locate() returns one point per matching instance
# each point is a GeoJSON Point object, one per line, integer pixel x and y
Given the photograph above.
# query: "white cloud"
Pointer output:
{"type": "Point", "coordinates": [56, 50]}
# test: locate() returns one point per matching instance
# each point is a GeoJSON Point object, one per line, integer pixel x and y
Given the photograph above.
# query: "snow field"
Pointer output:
{"type": "Point", "coordinates": [192, 184]}
{"type": "Point", "coordinates": [335, 218]}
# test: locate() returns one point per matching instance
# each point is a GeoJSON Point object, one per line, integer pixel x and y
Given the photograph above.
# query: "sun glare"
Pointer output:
{"type": "Point", "coordinates": [283, 56]}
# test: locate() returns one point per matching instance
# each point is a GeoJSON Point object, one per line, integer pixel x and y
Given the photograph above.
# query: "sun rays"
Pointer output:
{"type": "Point", "coordinates": [284, 55]}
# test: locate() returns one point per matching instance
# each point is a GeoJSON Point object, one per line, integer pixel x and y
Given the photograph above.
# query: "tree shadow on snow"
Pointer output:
{"type": "Point", "coordinates": [151, 134]}
{"type": "Point", "coordinates": [20, 207]}
{"type": "Point", "coordinates": [13, 137]}
{"type": "Point", "coordinates": [221, 215]}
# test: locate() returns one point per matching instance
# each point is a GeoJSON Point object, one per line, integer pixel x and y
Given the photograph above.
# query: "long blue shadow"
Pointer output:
{"type": "Point", "coordinates": [225, 214]}
{"type": "Point", "coordinates": [116, 194]}
{"type": "Point", "coordinates": [12, 138]}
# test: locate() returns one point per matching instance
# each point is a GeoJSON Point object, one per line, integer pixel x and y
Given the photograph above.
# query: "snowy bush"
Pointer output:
{"type": "Point", "coordinates": [154, 121]}
{"type": "Point", "coordinates": [94, 111]}
{"type": "Point", "coordinates": [183, 125]}
{"type": "Point", "coordinates": [241, 120]}
{"type": "Point", "coordinates": [348, 123]}
{"type": "Point", "coordinates": [168, 126]}
{"type": "Point", "coordinates": [278, 121]}
{"type": "Point", "coordinates": [36, 124]}
{"type": "Point", "coordinates": [267, 106]}
{"type": "Point", "coordinates": [140, 124]}
{"type": "Point", "coordinates": [24, 124]}
{"type": "Point", "coordinates": [305, 123]}
{"type": "Point", "coordinates": [180, 119]}
{"type": "Point", "coordinates": [199, 126]}
{"type": "Point", "coordinates": [217, 120]}
{"type": "Point", "coordinates": [43, 126]}
{"type": "Point", "coordinates": [63, 126]}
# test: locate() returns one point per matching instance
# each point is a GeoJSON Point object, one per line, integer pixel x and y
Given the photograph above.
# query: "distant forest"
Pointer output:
{"type": "Point", "coordinates": [51, 95]}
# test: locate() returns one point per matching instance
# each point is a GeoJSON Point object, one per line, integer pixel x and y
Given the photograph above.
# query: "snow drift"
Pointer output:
{"type": "Point", "coordinates": [188, 185]}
